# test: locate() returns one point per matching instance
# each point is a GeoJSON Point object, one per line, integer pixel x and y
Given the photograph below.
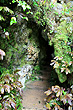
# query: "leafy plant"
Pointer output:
{"type": "Point", "coordinates": [63, 65]}
{"type": "Point", "coordinates": [6, 9]}
{"type": "Point", "coordinates": [36, 69]}
{"type": "Point", "coordinates": [33, 77]}
{"type": "Point", "coordinates": [62, 45]}
{"type": "Point", "coordinates": [10, 91]}
{"type": "Point", "coordinates": [58, 98]}
{"type": "Point", "coordinates": [13, 20]}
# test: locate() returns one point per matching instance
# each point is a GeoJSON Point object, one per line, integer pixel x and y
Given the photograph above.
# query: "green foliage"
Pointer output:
{"type": "Point", "coordinates": [13, 20]}
{"type": "Point", "coordinates": [10, 91]}
{"type": "Point", "coordinates": [46, 14]}
{"type": "Point", "coordinates": [1, 18]}
{"type": "Point", "coordinates": [6, 9]}
{"type": "Point", "coordinates": [63, 67]}
{"type": "Point", "coordinates": [33, 77]}
{"type": "Point", "coordinates": [58, 98]}
{"type": "Point", "coordinates": [24, 5]}
{"type": "Point", "coordinates": [36, 69]}
{"type": "Point", "coordinates": [63, 52]}
{"type": "Point", "coordinates": [13, 1]}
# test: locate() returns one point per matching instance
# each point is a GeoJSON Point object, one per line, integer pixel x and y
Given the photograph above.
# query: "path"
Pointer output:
{"type": "Point", "coordinates": [33, 95]}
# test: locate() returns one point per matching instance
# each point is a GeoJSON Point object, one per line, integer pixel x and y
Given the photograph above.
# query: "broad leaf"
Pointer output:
{"type": "Point", "coordinates": [2, 90]}
{"type": "Point", "coordinates": [7, 88]}
{"type": "Point", "coordinates": [48, 92]}
{"type": "Point", "coordinates": [48, 106]}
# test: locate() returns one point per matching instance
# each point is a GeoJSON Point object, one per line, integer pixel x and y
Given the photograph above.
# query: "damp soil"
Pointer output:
{"type": "Point", "coordinates": [33, 95]}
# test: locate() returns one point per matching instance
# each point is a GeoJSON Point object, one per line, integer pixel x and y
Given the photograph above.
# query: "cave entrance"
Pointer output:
{"type": "Point", "coordinates": [46, 51]}
{"type": "Point", "coordinates": [41, 39]}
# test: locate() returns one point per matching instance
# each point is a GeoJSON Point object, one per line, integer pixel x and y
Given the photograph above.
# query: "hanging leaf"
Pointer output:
{"type": "Point", "coordinates": [7, 105]}
{"type": "Point", "coordinates": [6, 80]}
{"type": "Point", "coordinates": [55, 88]}
{"type": "Point", "coordinates": [2, 53]}
{"type": "Point", "coordinates": [48, 92]}
{"type": "Point", "coordinates": [58, 93]}
{"type": "Point", "coordinates": [6, 96]}
{"type": "Point", "coordinates": [25, 18]}
{"type": "Point", "coordinates": [62, 69]}
{"type": "Point", "coordinates": [28, 7]}
{"type": "Point", "coordinates": [1, 8]}
{"type": "Point", "coordinates": [6, 9]}
{"type": "Point", "coordinates": [7, 88]}
{"type": "Point", "coordinates": [2, 90]}
{"type": "Point", "coordinates": [67, 71]}
{"type": "Point", "coordinates": [70, 62]}
{"type": "Point", "coordinates": [13, 104]}
{"type": "Point", "coordinates": [52, 63]}
{"type": "Point", "coordinates": [1, 18]}
{"type": "Point", "coordinates": [48, 106]}
{"type": "Point", "coordinates": [9, 10]}
{"type": "Point", "coordinates": [7, 35]}
{"type": "Point", "coordinates": [56, 65]}
{"type": "Point", "coordinates": [13, 20]}
{"type": "Point", "coordinates": [13, 1]}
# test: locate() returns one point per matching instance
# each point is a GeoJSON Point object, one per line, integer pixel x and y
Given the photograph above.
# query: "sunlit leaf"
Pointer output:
{"type": "Point", "coordinates": [6, 80]}
{"type": "Point", "coordinates": [13, 20]}
{"type": "Point", "coordinates": [69, 108]}
{"type": "Point", "coordinates": [70, 102]}
{"type": "Point", "coordinates": [0, 106]}
{"type": "Point", "coordinates": [58, 93]}
{"type": "Point", "coordinates": [62, 69]}
{"type": "Point", "coordinates": [67, 71]}
{"type": "Point", "coordinates": [48, 92]}
{"type": "Point", "coordinates": [56, 57]}
{"type": "Point", "coordinates": [70, 62]}
{"type": "Point", "coordinates": [9, 10]}
{"type": "Point", "coordinates": [7, 35]}
{"type": "Point", "coordinates": [52, 63]}
{"type": "Point", "coordinates": [1, 8]}
{"type": "Point", "coordinates": [50, 98]}
{"type": "Point", "coordinates": [64, 65]}
{"type": "Point", "coordinates": [56, 65]}
{"type": "Point", "coordinates": [55, 88]}
{"type": "Point", "coordinates": [12, 95]}
{"type": "Point", "coordinates": [6, 9]}
{"type": "Point", "coordinates": [2, 90]}
{"type": "Point", "coordinates": [2, 53]}
{"type": "Point", "coordinates": [6, 96]}
{"type": "Point", "coordinates": [28, 7]}
{"type": "Point", "coordinates": [13, 104]}
{"type": "Point", "coordinates": [13, 1]}
{"type": "Point", "coordinates": [25, 18]}
{"type": "Point", "coordinates": [7, 88]}
{"type": "Point", "coordinates": [6, 105]}
{"type": "Point", "coordinates": [48, 106]}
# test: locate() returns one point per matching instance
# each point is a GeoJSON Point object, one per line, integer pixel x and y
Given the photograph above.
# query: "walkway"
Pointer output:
{"type": "Point", "coordinates": [33, 95]}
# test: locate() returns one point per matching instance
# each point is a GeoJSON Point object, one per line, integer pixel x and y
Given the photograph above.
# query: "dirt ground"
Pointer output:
{"type": "Point", "coordinates": [33, 95]}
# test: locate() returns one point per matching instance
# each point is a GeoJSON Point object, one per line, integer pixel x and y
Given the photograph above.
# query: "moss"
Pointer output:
{"type": "Point", "coordinates": [62, 76]}
{"type": "Point", "coordinates": [60, 41]}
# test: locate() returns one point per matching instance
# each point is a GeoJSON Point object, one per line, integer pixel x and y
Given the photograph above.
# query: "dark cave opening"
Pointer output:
{"type": "Point", "coordinates": [46, 51]}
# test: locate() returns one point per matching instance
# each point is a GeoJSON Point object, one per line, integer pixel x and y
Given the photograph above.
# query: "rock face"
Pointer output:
{"type": "Point", "coordinates": [25, 72]}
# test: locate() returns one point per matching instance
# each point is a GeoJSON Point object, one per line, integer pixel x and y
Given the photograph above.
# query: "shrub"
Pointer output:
{"type": "Point", "coordinates": [58, 98]}
{"type": "Point", "coordinates": [10, 91]}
